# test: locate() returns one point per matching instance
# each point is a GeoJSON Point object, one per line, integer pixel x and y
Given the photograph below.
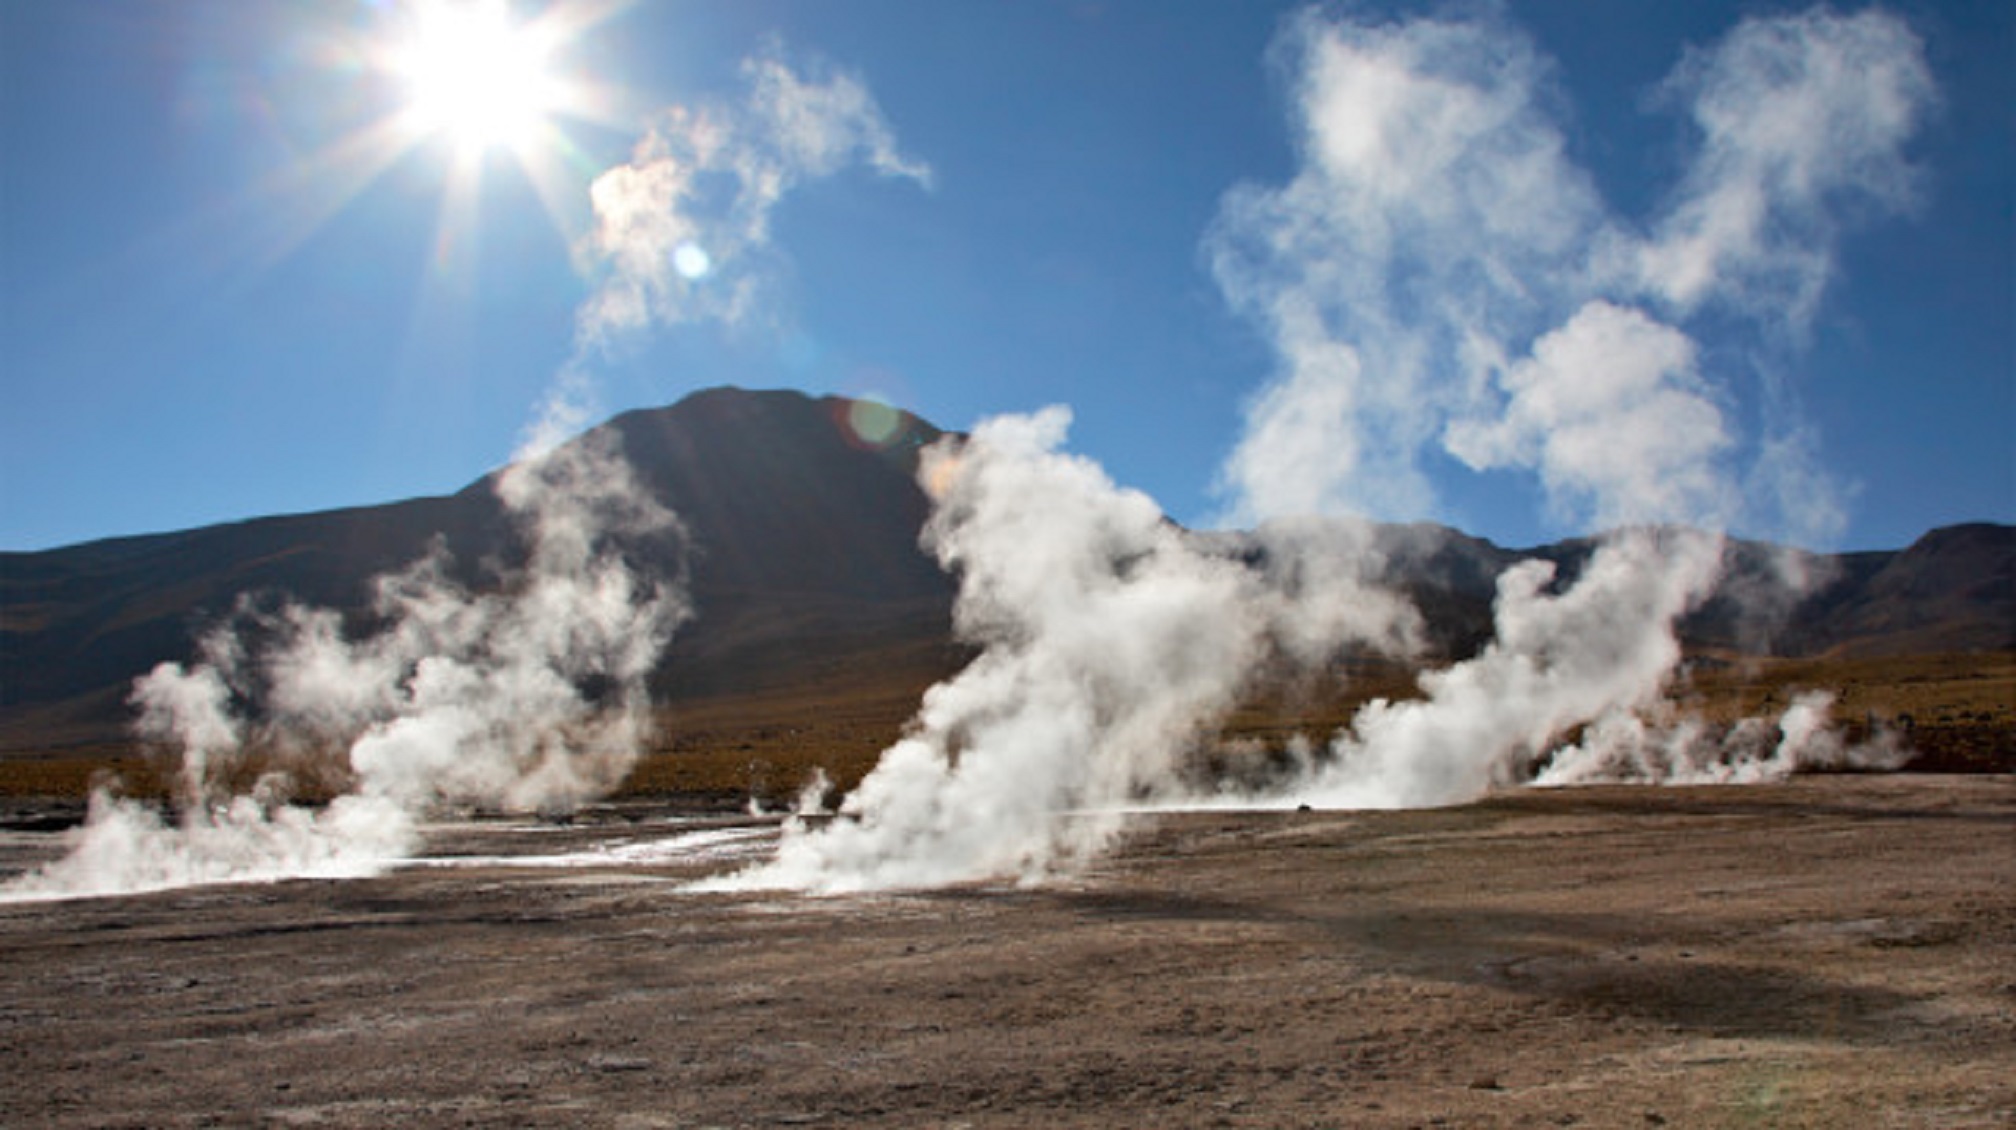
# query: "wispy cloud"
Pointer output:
{"type": "Point", "coordinates": [1611, 412]}
{"type": "Point", "coordinates": [1804, 120]}
{"type": "Point", "coordinates": [1434, 218]}
{"type": "Point", "coordinates": [1436, 234]}
{"type": "Point", "coordinates": [1804, 125]}
{"type": "Point", "coordinates": [682, 230]}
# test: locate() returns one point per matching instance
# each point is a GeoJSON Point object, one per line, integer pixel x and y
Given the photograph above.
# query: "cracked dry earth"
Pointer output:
{"type": "Point", "coordinates": [1831, 952]}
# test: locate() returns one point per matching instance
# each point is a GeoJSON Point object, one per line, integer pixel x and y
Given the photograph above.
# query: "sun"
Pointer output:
{"type": "Point", "coordinates": [464, 80]}
{"type": "Point", "coordinates": [475, 77]}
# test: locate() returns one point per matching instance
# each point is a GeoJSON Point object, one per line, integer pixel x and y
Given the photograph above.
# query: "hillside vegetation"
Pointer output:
{"type": "Point", "coordinates": [819, 620]}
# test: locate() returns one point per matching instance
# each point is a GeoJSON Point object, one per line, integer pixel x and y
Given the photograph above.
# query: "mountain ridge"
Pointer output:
{"type": "Point", "coordinates": [802, 516]}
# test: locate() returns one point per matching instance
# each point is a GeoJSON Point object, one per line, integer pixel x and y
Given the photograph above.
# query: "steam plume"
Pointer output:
{"type": "Point", "coordinates": [1109, 646]}
{"type": "Point", "coordinates": [1602, 648]}
{"type": "Point", "coordinates": [1439, 281]}
{"type": "Point", "coordinates": [1803, 120]}
{"type": "Point", "coordinates": [529, 697]}
{"type": "Point", "coordinates": [682, 231]}
{"type": "Point", "coordinates": [1655, 746]}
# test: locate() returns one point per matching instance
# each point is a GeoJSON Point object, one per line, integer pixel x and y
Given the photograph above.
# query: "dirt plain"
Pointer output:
{"type": "Point", "coordinates": [1829, 952]}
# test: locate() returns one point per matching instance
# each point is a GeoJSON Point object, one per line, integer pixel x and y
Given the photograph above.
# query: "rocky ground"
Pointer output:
{"type": "Point", "coordinates": [1836, 951]}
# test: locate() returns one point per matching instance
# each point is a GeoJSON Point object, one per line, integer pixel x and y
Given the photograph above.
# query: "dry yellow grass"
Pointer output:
{"type": "Point", "coordinates": [1959, 711]}
{"type": "Point", "coordinates": [75, 773]}
{"type": "Point", "coordinates": [1977, 688]}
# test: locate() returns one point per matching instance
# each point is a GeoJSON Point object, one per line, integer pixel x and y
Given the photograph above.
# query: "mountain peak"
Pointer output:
{"type": "Point", "coordinates": [802, 517]}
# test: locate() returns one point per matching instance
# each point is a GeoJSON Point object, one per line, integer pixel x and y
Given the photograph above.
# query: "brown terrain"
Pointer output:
{"type": "Point", "coordinates": [1832, 951]}
{"type": "Point", "coordinates": [820, 620]}
{"type": "Point", "coordinates": [1835, 951]}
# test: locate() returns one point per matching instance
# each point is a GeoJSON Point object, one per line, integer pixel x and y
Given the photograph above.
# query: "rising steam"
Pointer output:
{"type": "Point", "coordinates": [1438, 276]}
{"type": "Point", "coordinates": [527, 697]}
{"type": "Point", "coordinates": [1441, 286]}
{"type": "Point", "coordinates": [682, 230]}
{"type": "Point", "coordinates": [1108, 646]}
{"type": "Point", "coordinates": [1440, 283]}
{"type": "Point", "coordinates": [530, 694]}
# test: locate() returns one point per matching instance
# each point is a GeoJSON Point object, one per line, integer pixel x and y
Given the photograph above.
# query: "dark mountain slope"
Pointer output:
{"type": "Point", "coordinates": [783, 495]}
{"type": "Point", "coordinates": [83, 621]}
{"type": "Point", "coordinates": [1953, 590]}
{"type": "Point", "coordinates": [803, 553]}
{"type": "Point", "coordinates": [802, 519]}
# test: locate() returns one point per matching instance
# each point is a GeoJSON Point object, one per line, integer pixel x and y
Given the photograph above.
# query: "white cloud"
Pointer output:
{"type": "Point", "coordinates": [817, 128]}
{"type": "Point", "coordinates": [1611, 412]}
{"type": "Point", "coordinates": [682, 230]}
{"type": "Point", "coordinates": [1434, 218]}
{"type": "Point", "coordinates": [1436, 239]}
{"type": "Point", "coordinates": [1788, 481]}
{"type": "Point", "coordinates": [1803, 120]}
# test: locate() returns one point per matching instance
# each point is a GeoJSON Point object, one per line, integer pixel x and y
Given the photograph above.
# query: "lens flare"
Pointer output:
{"type": "Point", "coordinates": [692, 261]}
{"type": "Point", "coordinates": [873, 422]}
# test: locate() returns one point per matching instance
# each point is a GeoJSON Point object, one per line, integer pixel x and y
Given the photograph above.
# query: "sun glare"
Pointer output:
{"type": "Point", "coordinates": [466, 79]}
{"type": "Point", "coordinates": [476, 77]}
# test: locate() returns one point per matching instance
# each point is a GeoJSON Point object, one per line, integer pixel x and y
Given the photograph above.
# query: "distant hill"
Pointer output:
{"type": "Point", "coordinates": [804, 557]}
{"type": "Point", "coordinates": [1953, 590]}
{"type": "Point", "coordinates": [802, 518]}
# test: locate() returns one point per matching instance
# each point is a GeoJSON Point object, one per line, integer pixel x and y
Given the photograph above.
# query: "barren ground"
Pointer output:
{"type": "Point", "coordinates": [1836, 951]}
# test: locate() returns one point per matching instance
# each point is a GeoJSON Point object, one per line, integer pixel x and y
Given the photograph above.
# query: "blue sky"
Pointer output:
{"type": "Point", "coordinates": [218, 301]}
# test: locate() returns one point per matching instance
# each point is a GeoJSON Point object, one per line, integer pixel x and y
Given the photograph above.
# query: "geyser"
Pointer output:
{"type": "Point", "coordinates": [1439, 283]}
{"type": "Point", "coordinates": [1108, 646]}
{"type": "Point", "coordinates": [527, 696]}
